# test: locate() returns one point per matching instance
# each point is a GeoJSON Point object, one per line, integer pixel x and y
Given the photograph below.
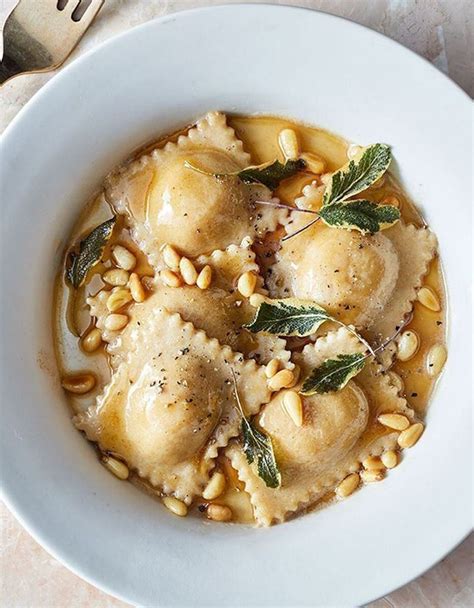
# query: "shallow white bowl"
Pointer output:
{"type": "Point", "coordinates": [147, 82]}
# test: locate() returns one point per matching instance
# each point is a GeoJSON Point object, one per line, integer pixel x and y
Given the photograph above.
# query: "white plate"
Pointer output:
{"type": "Point", "coordinates": [147, 82]}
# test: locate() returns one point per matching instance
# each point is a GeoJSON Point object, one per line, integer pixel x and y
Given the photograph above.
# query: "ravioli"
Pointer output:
{"type": "Point", "coordinates": [339, 430]}
{"type": "Point", "coordinates": [369, 281]}
{"type": "Point", "coordinates": [219, 310]}
{"type": "Point", "coordinates": [171, 404]}
{"type": "Point", "coordinates": [165, 201]}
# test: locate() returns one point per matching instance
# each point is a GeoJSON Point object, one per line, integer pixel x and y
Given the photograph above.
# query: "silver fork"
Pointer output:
{"type": "Point", "coordinates": [40, 34]}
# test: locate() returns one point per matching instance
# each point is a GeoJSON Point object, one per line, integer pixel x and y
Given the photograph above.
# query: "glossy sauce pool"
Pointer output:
{"type": "Point", "coordinates": [259, 134]}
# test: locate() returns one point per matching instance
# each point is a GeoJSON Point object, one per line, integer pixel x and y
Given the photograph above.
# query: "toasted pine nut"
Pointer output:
{"type": "Point", "coordinates": [429, 299]}
{"type": "Point", "coordinates": [348, 485]}
{"type": "Point", "coordinates": [370, 476]}
{"type": "Point", "coordinates": [314, 162]}
{"type": "Point", "coordinates": [256, 299]}
{"type": "Point", "coordinates": [92, 340]}
{"type": "Point", "coordinates": [293, 407]}
{"type": "Point", "coordinates": [215, 487]}
{"type": "Point", "coordinates": [396, 380]}
{"type": "Point", "coordinates": [175, 506]}
{"type": "Point", "coordinates": [116, 277]}
{"type": "Point", "coordinates": [281, 379]}
{"type": "Point", "coordinates": [204, 277]}
{"type": "Point", "coordinates": [219, 513]}
{"type": "Point", "coordinates": [79, 384]}
{"type": "Point", "coordinates": [188, 272]}
{"type": "Point", "coordinates": [408, 345]}
{"type": "Point", "coordinates": [399, 422]}
{"type": "Point", "coordinates": [118, 468]}
{"type": "Point", "coordinates": [272, 367]}
{"type": "Point", "coordinates": [246, 283]}
{"type": "Point", "coordinates": [373, 463]}
{"type": "Point", "coordinates": [118, 299]}
{"type": "Point", "coordinates": [171, 257]}
{"type": "Point", "coordinates": [170, 278]}
{"type": "Point", "coordinates": [115, 322]}
{"type": "Point", "coordinates": [296, 376]}
{"type": "Point", "coordinates": [353, 150]}
{"type": "Point", "coordinates": [410, 436]}
{"type": "Point", "coordinates": [392, 200]}
{"type": "Point", "coordinates": [390, 459]}
{"type": "Point", "coordinates": [288, 142]}
{"type": "Point", "coordinates": [136, 288]}
{"type": "Point", "coordinates": [436, 359]}
{"type": "Point", "coordinates": [124, 258]}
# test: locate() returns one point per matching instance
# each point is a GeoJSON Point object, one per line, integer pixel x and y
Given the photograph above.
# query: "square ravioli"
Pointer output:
{"type": "Point", "coordinates": [171, 196]}
{"type": "Point", "coordinates": [339, 430]}
{"type": "Point", "coordinates": [171, 404]}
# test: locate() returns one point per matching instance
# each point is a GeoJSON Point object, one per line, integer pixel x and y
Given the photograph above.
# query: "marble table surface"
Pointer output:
{"type": "Point", "coordinates": [441, 31]}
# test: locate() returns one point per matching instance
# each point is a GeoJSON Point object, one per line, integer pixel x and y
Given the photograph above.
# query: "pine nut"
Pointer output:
{"type": "Point", "coordinates": [116, 277]}
{"type": "Point", "coordinates": [408, 345]}
{"type": "Point", "coordinates": [373, 463]}
{"type": "Point", "coordinates": [115, 322]}
{"type": "Point", "coordinates": [326, 178]}
{"type": "Point", "coordinates": [171, 257]}
{"type": "Point", "coordinates": [118, 468]}
{"type": "Point", "coordinates": [175, 506]}
{"type": "Point", "coordinates": [272, 368]}
{"type": "Point", "coordinates": [293, 407]}
{"type": "Point", "coordinates": [353, 150]}
{"type": "Point", "coordinates": [429, 299]}
{"type": "Point", "coordinates": [188, 272]}
{"type": "Point", "coordinates": [348, 485]}
{"type": "Point", "coordinates": [256, 299]}
{"type": "Point", "coordinates": [392, 200]}
{"type": "Point", "coordinates": [408, 438]}
{"type": "Point", "coordinates": [92, 340]}
{"type": "Point", "coordinates": [118, 299]}
{"type": "Point", "coordinates": [170, 278]}
{"type": "Point", "coordinates": [246, 284]}
{"type": "Point", "coordinates": [371, 476]}
{"type": "Point", "coordinates": [288, 142]}
{"type": "Point", "coordinates": [136, 288]}
{"type": "Point", "coordinates": [215, 487]}
{"type": "Point", "coordinates": [436, 359]}
{"type": "Point", "coordinates": [397, 381]}
{"type": "Point", "coordinates": [80, 384]}
{"type": "Point", "coordinates": [204, 277]}
{"type": "Point", "coordinates": [296, 376]}
{"type": "Point", "coordinates": [123, 257]}
{"type": "Point", "coordinates": [390, 459]}
{"type": "Point", "coordinates": [314, 162]}
{"type": "Point", "coordinates": [219, 513]}
{"type": "Point", "coordinates": [281, 379]}
{"type": "Point", "coordinates": [399, 422]}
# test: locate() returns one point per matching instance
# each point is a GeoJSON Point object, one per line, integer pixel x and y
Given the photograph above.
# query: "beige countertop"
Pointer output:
{"type": "Point", "coordinates": [441, 31]}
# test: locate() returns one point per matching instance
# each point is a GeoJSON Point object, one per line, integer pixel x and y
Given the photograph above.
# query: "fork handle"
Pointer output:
{"type": "Point", "coordinates": [8, 69]}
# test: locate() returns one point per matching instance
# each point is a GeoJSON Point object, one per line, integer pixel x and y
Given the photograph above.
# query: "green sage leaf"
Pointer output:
{"type": "Point", "coordinates": [358, 174]}
{"type": "Point", "coordinates": [333, 374]}
{"type": "Point", "coordinates": [258, 447]}
{"type": "Point", "coordinates": [360, 214]}
{"type": "Point", "coordinates": [288, 317]}
{"type": "Point", "coordinates": [90, 253]}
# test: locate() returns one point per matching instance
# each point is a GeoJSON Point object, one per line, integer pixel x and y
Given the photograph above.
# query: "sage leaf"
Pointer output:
{"type": "Point", "coordinates": [268, 174]}
{"type": "Point", "coordinates": [333, 374]}
{"type": "Point", "coordinates": [271, 175]}
{"type": "Point", "coordinates": [288, 317]}
{"type": "Point", "coordinates": [258, 447]}
{"type": "Point", "coordinates": [90, 253]}
{"type": "Point", "coordinates": [358, 174]}
{"type": "Point", "coordinates": [359, 214]}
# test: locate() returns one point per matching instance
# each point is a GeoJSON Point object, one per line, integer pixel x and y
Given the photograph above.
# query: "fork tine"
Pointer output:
{"type": "Point", "coordinates": [89, 14]}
